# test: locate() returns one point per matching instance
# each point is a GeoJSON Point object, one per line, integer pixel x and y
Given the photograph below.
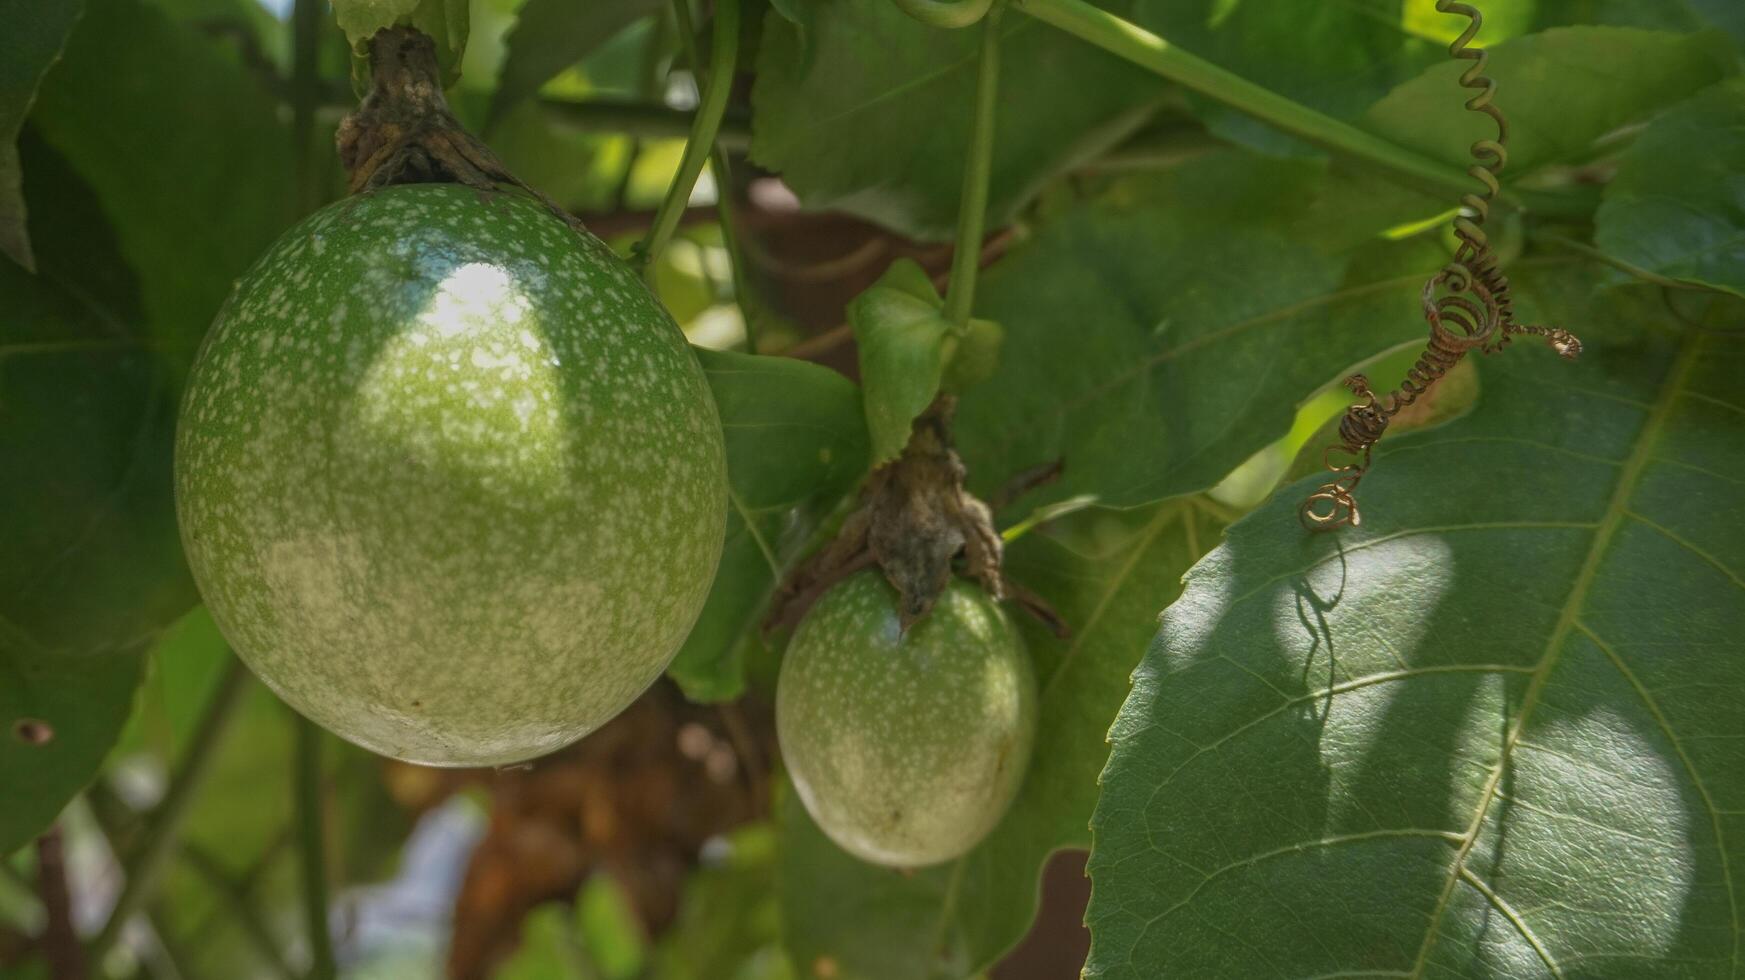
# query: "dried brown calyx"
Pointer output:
{"type": "Point", "coordinates": [403, 132]}
{"type": "Point", "coordinates": [919, 526]}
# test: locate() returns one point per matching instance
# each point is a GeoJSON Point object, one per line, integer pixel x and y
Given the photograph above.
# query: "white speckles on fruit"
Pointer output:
{"type": "Point", "coordinates": [906, 749]}
{"type": "Point", "coordinates": [431, 497]}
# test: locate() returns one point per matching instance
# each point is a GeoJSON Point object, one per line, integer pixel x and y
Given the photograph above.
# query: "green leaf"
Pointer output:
{"type": "Point", "coordinates": [728, 925]}
{"type": "Point", "coordinates": [183, 669]}
{"type": "Point", "coordinates": [610, 929]}
{"type": "Point", "coordinates": [1147, 331]}
{"type": "Point", "coordinates": [796, 443]}
{"type": "Point", "coordinates": [35, 33]}
{"type": "Point", "coordinates": [1494, 732]}
{"type": "Point", "coordinates": [596, 938]}
{"type": "Point", "coordinates": [1677, 205]}
{"type": "Point", "coordinates": [1725, 14]}
{"type": "Point", "coordinates": [1561, 89]}
{"type": "Point", "coordinates": [190, 214]}
{"type": "Point", "coordinates": [902, 337]}
{"type": "Point", "coordinates": [972, 357]}
{"type": "Point", "coordinates": [446, 21]}
{"type": "Point", "coordinates": [551, 35]}
{"type": "Point", "coordinates": [868, 111]}
{"type": "Point", "coordinates": [1107, 573]}
{"type": "Point", "coordinates": [551, 948]}
{"type": "Point", "coordinates": [93, 567]}
{"type": "Point", "coordinates": [1340, 58]}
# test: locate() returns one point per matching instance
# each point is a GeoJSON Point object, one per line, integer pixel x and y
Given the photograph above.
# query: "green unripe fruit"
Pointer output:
{"type": "Point", "coordinates": [905, 748]}
{"type": "Point", "coordinates": [449, 479]}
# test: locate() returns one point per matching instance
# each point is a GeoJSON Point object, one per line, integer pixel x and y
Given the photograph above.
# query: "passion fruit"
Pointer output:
{"type": "Point", "coordinates": [448, 477]}
{"type": "Point", "coordinates": [905, 747]}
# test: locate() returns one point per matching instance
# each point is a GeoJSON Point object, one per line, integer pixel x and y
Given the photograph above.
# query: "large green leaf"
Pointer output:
{"type": "Point", "coordinates": [1494, 732]}
{"type": "Point", "coordinates": [869, 111]}
{"type": "Point", "coordinates": [35, 32]}
{"type": "Point", "coordinates": [186, 153]}
{"type": "Point", "coordinates": [1561, 89]}
{"type": "Point", "coordinates": [796, 443]}
{"type": "Point", "coordinates": [1146, 331]}
{"type": "Point", "coordinates": [93, 567]}
{"type": "Point", "coordinates": [1677, 206]}
{"type": "Point", "coordinates": [551, 35]}
{"type": "Point", "coordinates": [1108, 572]}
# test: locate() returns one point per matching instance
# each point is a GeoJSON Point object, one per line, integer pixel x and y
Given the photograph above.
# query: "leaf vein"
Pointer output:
{"type": "Point", "coordinates": [1696, 779]}
{"type": "Point", "coordinates": [1646, 441]}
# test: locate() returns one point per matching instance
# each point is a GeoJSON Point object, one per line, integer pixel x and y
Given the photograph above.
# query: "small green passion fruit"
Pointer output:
{"type": "Point", "coordinates": [906, 748]}
{"type": "Point", "coordinates": [448, 477]}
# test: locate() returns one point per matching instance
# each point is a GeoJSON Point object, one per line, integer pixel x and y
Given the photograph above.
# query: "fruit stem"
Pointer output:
{"type": "Point", "coordinates": [164, 826]}
{"type": "Point", "coordinates": [723, 60]}
{"type": "Point", "coordinates": [972, 204]}
{"type": "Point", "coordinates": [1133, 43]}
{"type": "Point", "coordinates": [312, 848]}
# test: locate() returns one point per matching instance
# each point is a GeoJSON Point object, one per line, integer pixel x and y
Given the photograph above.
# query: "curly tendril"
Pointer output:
{"type": "Point", "coordinates": [1467, 305]}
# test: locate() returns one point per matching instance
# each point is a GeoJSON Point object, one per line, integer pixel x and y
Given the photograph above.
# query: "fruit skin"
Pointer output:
{"type": "Point", "coordinates": [905, 748]}
{"type": "Point", "coordinates": [448, 477]}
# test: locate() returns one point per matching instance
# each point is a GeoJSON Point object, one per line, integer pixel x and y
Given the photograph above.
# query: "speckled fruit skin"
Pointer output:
{"type": "Point", "coordinates": [906, 749]}
{"type": "Point", "coordinates": [448, 477]}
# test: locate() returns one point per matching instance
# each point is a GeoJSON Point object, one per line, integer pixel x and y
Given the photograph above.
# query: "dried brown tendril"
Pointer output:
{"type": "Point", "coordinates": [1467, 305]}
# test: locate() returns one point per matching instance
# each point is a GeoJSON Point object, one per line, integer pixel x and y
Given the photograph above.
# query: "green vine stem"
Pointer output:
{"type": "Point", "coordinates": [306, 770]}
{"type": "Point", "coordinates": [1133, 43]}
{"type": "Point", "coordinates": [949, 14]}
{"type": "Point", "coordinates": [164, 826]}
{"type": "Point", "coordinates": [724, 206]}
{"type": "Point", "coordinates": [232, 897]}
{"type": "Point", "coordinates": [972, 204]}
{"type": "Point", "coordinates": [312, 848]}
{"type": "Point", "coordinates": [723, 61]}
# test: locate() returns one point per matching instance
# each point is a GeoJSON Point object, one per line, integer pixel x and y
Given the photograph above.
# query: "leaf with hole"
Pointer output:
{"type": "Point", "coordinates": [93, 567]}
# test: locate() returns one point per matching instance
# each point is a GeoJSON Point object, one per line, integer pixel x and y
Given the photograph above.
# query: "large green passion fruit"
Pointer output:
{"type": "Point", "coordinates": [448, 477]}
{"type": "Point", "coordinates": [906, 748]}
